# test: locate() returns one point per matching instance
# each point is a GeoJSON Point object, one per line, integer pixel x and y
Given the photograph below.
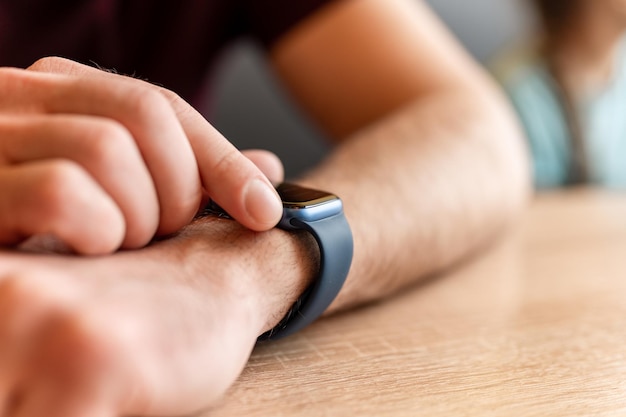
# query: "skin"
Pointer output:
{"type": "Point", "coordinates": [429, 163]}
{"type": "Point", "coordinates": [103, 161]}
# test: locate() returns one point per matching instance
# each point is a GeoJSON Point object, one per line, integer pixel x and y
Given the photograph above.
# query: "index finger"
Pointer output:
{"type": "Point", "coordinates": [229, 177]}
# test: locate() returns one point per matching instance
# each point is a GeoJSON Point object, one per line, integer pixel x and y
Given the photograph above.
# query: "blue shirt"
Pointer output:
{"type": "Point", "coordinates": [534, 94]}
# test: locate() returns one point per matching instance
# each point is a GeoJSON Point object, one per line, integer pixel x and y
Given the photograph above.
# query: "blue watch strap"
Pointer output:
{"type": "Point", "coordinates": [334, 239]}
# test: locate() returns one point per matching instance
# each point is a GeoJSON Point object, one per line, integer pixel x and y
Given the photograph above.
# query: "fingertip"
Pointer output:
{"type": "Point", "coordinates": [100, 245]}
{"type": "Point", "coordinates": [262, 204]}
{"type": "Point", "coordinates": [134, 243]}
{"type": "Point", "coordinates": [104, 239]}
{"type": "Point", "coordinates": [74, 208]}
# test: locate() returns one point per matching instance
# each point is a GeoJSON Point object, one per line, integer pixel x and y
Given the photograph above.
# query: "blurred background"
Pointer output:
{"type": "Point", "coordinates": [251, 110]}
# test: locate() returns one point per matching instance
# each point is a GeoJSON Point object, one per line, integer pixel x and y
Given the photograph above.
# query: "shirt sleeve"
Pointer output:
{"type": "Point", "coordinates": [527, 83]}
{"type": "Point", "coordinates": [268, 20]}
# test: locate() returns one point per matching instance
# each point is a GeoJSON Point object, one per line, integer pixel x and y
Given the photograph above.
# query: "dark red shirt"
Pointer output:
{"type": "Point", "coordinates": [170, 42]}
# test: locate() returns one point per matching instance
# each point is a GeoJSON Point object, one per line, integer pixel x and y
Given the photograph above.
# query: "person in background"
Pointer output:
{"type": "Point", "coordinates": [428, 161]}
{"type": "Point", "coordinates": [569, 89]}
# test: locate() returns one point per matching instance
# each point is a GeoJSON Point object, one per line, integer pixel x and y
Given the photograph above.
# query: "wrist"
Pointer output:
{"type": "Point", "coordinates": [294, 267]}
{"type": "Point", "coordinates": [319, 214]}
{"type": "Point", "coordinates": [261, 273]}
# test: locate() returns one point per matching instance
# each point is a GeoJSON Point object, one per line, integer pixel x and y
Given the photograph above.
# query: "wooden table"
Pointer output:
{"type": "Point", "coordinates": [534, 327]}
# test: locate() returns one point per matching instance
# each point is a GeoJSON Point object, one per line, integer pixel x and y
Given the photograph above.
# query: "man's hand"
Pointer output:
{"type": "Point", "coordinates": [102, 160]}
{"type": "Point", "coordinates": [107, 346]}
{"type": "Point", "coordinates": [164, 330]}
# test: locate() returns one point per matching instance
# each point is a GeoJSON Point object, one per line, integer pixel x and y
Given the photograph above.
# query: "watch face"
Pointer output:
{"type": "Point", "coordinates": [294, 196]}
{"type": "Point", "coordinates": [307, 205]}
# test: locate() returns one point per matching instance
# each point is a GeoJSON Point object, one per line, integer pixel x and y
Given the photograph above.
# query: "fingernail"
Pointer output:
{"type": "Point", "coordinates": [263, 203]}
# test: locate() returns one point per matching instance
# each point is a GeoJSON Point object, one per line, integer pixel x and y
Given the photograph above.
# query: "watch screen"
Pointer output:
{"type": "Point", "coordinates": [295, 195]}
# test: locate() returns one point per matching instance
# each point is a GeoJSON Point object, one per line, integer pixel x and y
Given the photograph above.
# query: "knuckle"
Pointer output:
{"type": "Point", "coordinates": [228, 165]}
{"type": "Point", "coordinates": [19, 299]}
{"type": "Point", "coordinates": [107, 141]}
{"type": "Point", "coordinates": [14, 83]}
{"type": "Point", "coordinates": [16, 290]}
{"type": "Point", "coordinates": [80, 332]}
{"type": "Point", "coordinates": [184, 111]}
{"type": "Point", "coordinates": [76, 348]}
{"type": "Point", "coordinates": [146, 102]}
{"type": "Point", "coordinates": [24, 295]}
{"type": "Point", "coordinates": [62, 177]}
{"type": "Point", "coordinates": [76, 210]}
{"type": "Point", "coordinates": [60, 187]}
{"type": "Point", "coordinates": [171, 96]}
{"type": "Point", "coordinates": [10, 75]}
{"type": "Point", "coordinates": [49, 64]}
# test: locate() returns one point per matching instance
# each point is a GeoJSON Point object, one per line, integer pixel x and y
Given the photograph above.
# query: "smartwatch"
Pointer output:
{"type": "Point", "coordinates": [321, 214]}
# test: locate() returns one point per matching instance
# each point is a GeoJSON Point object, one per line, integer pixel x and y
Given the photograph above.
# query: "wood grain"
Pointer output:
{"type": "Point", "coordinates": [536, 326]}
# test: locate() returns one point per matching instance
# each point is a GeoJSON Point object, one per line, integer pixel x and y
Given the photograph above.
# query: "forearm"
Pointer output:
{"type": "Point", "coordinates": [424, 188]}
{"type": "Point", "coordinates": [430, 164]}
